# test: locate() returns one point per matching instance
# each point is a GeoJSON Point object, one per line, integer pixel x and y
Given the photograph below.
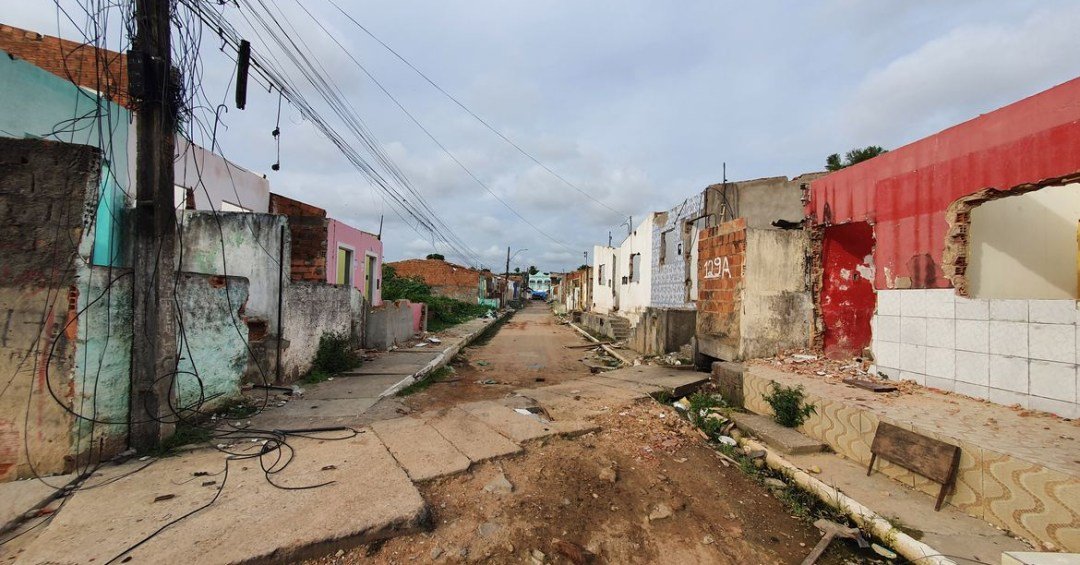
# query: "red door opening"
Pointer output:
{"type": "Point", "coordinates": [847, 289]}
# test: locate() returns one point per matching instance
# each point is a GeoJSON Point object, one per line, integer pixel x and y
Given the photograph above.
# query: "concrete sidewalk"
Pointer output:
{"type": "Point", "coordinates": [345, 400]}
{"type": "Point", "coordinates": [372, 495]}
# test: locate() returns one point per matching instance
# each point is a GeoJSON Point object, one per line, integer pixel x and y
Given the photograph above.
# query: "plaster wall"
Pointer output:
{"type": "Point", "coordinates": [238, 244]}
{"type": "Point", "coordinates": [214, 340]}
{"type": "Point", "coordinates": [1025, 246]}
{"type": "Point", "coordinates": [217, 181]}
{"type": "Point", "coordinates": [313, 310]}
{"type": "Point", "coordinates": [47, 199]}
{"type": "Point", "coordinates": [603, 281]}
{"type": "Point", "coordinates": [391, 324]}
{"type": "Point", "coordinates": [363, 245]}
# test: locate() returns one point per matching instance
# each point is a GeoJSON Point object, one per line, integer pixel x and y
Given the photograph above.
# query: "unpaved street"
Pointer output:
{"type": "Point", "coordinates": [528, 351]}
{"type": "Point", "coordinates": [644, 489]}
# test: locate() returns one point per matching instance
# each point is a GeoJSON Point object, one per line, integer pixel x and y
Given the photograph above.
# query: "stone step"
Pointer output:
{"type": "Point", "coordinates": [786, 440]}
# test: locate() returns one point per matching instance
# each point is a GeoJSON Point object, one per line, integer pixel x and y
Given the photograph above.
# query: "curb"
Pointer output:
{"type": "Point", "coordinates": [444, 357]}
{"type": "Point", "coordinates": [910, 548]}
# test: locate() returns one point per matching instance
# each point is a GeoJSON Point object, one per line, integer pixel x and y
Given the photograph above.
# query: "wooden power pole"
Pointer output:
{"type": "Point", "coordinates": [154, 347]}
{"type": "Point", "coordinates": [507, 279]}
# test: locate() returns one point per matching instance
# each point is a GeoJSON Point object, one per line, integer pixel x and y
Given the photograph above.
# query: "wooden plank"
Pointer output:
{"type": "Point", "coordinates": [869, 385]}
{"type": "Point", "coordinates": [931, 458]}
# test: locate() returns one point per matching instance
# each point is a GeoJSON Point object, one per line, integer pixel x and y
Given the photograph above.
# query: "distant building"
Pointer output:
{"type": "Point", "coordinates": [445, 278]}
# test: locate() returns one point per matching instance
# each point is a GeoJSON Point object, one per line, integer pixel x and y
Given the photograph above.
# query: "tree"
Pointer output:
{"type": "Point", "coordinates": [857, 155]}
{"type": "Point", "coordinates": [583, 267]}
{"type": "Point", "coordinates": [437, 256]}
{"type": "Point", "coordinates": [533, 270]}
{"type": "Point", "coordinates": [517, 269]}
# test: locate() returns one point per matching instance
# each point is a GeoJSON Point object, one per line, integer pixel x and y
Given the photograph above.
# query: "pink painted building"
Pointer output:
{"type": "Point", "coordinates": [354, 257]}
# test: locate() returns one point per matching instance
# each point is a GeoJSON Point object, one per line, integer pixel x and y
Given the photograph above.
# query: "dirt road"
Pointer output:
{"type": "Point", "coordinates": [527, 351]}
{"type": "Point", "coordinates": [644, 489]}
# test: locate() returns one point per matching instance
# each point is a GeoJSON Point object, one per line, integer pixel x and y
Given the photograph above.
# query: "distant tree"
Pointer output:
{"type": "Point", "coordinates": [533, 270]}
{"type": "Point", "coordinates": [517, 269]}
{"type": "Point", "coordinates": [583, 267]}
{"type": "Point", "coordinates": [437, 256]}
{"type": "Point", "coordinates": [833, 162]}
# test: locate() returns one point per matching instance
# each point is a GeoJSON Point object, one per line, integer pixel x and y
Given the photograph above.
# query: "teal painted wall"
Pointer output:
{"type": "Point", "coordinates": [37, 103]}
{"type": "Point", "coordinates": [213, 347]}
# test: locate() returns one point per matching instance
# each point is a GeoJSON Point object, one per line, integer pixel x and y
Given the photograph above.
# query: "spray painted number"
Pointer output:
{"type": "Point", "coordinates": [718, 268]}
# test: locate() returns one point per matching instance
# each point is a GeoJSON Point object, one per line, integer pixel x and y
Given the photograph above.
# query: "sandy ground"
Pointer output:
{"type": "Point", "coordinates": [671, 501]}
{"type": "Point", "coordinates": [645, 489]}
{"type": "Point", "coordinates": [528, 351]}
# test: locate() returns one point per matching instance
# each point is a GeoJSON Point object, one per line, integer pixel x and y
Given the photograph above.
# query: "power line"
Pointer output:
{"type": "Point", "coordinates": [471, 113]}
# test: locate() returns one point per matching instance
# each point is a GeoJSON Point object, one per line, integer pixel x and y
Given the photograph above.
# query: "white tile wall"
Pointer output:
{"type": "Point", "coordinates": [1052, 380]}
{"type": "Point", "coordinates": [1009, 310]}
{"type": "Point", "coordinates": [1052, 342]}
{"type": "Point", "coordinates": [941, 333]}
{"type": "Point", "coordinates": [1009, 351]}
{"type": "Point", "coordinates": [973, 335]}
{"type": "Point", "coordinates": [1008, 338]}
{"type": "Point", "coordinates": [1009, 373]}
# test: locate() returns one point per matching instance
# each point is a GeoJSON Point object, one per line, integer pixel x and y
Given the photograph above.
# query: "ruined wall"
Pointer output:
{"type": "Point", "coordinates": [663, 330]}
{"type": "Point", "coordinates": [217, 183]}
{"type": "Point", "coordinates": [444, 278]}
{"type": "Point", "coordinates": [674, 236]}
{"type": "Point", "coordinates": [393, 323]}
{"type": "Point", "coordinates": [753, 295]}
{"type": "Point", "coordinates": [759, 201]}
{"type": "Point", "coordinates": [312, 310]}
{"type": "Point", "coordinates": [47, 204]}
{"type": "Point", "coordinates": [721, 258]}
{"type": "Point", "coordinates": [214, 340]}
{"type": "Point", "coordinates": [238, 244]}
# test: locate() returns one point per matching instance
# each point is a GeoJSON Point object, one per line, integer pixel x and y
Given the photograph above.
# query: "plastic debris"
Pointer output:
{"type": "Point", "coordinates": [682, 404]}
{"type": "Point", "coordinates": [728, 441]}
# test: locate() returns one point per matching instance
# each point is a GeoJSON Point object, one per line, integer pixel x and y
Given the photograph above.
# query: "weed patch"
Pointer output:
{"type": "Point", "coordinates": [335, 354]}
{"type": "Point", "coordinates": [787, 404]}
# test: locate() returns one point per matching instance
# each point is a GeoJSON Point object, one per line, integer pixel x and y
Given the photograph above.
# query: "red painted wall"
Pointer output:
{"type": "Point", "coordinates": [847, 295]}
{"type": "Point", "coordinates": [904, 193]}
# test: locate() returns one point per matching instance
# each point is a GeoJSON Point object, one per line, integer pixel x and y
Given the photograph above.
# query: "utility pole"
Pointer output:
{"type": "Point", "coordinates": [154, 348]}
{"type": "Point", "coordinates": [507, 279]}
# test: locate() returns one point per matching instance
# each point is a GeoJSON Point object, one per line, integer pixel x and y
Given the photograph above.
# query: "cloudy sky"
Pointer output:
{"type": "Point", "coordinates": [636, 103]}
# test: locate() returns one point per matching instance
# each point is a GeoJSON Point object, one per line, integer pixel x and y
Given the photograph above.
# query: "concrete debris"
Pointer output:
{"type": "Point", "coordinates": [708, 540]}
{"type": "Point", "coordinates": [499, 485]}
{"type": "Point", "coordinates": [609, 474]}
{"type": "Point", "coordinates": [883, 551]}
{"type": "Point", "coordinates": [682, 404]}
{"type": "Point", "coordinates": [434, 340]}
{"type": "Point", "coordinates": [538, 556]}
{"type": "Point", "coordinates": [728, 441]}
{"type": "Point", "coordinates": [340, 553]}
{"type": "Point", "coordinates": [660, 512]}
{"type": "Point", "coordinates": [756, 454]}
{"type": "Point", "coordinates": [421, 344]}
{"type": "Point", "coordinates": [435, 552]}
{"type": "Point", "coordinates": [801, 358]}
{"type": "Point", "coordinates": [775, 483]}
{"type": "Point", "coordinates": [815, 469]}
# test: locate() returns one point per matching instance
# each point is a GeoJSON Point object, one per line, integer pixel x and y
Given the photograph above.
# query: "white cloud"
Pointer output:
{"type": "Point", "coordinates": [972, 68]}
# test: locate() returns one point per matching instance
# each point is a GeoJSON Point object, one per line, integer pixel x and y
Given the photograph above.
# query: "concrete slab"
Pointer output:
{"type": "Point", "coordinates": [17, 497]}
{"type": "Point", "coordinates": [786, 440]}
{"type": "Point", "coordinates": [676, 382]}
{"type": "Point", "coordinates": [324, 408]}
{"type": "Point", "coordinates": [562, 407]}
{"type": "Point", "coordinates": [396, 364]}
{"type": "Point", "coordinates": [421, 450]}
{"type": "Point", "coordinates": [595, 391]}
{"type": "Point", "coordinates": [949, 531]}
{"type": "Point", "coordinates": [352, 386]}
{"type": "Point", "coordinates": [506, 421]}
{"type": "Point", "coordinates": [469, 435]}
{"type": "Point", "coordinates": [644, 389]}
{"type": "Point", "coordinates": [370, 498]}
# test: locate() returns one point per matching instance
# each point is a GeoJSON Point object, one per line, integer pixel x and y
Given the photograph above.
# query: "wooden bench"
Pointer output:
{"type": "Point", "coordinates": [931, 458]}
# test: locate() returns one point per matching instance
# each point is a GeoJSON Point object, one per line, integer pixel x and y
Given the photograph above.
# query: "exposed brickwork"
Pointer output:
{"type": "Point", "coordinates": [446, 279]}
{"type": "Point", "coordinates": [308, 231]}
{"type": "Point", "coordinates": [102, 70]}
{"type": "Point", "coordinates": [721, 262]}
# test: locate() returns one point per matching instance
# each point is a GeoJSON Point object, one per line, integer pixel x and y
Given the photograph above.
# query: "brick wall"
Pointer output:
{"type": "Point", "coordinates": [445, 279]}
{"type": "Point", "coordinates": [99, 69]}
{"type": "Point", "coordinates": [721, 262]}
{"type": "Point", "coordinates": [308, 231]}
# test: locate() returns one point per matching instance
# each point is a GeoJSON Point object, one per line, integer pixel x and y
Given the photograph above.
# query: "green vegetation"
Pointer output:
{"type": "Point", "coordinates": [335, 354]}
{"type": "Point", "coordinates": [442, 312]}
{"type": "Point", "coordinates": [787, 405]}
{"type": "Point", "coordinates": [833, 162]}
{"type": "Point", "coordinates": [436, 256]}
{"type": "Point", "coordinates": [702, 404]}
{"type": "Point", "coordinates": [429, 379]}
